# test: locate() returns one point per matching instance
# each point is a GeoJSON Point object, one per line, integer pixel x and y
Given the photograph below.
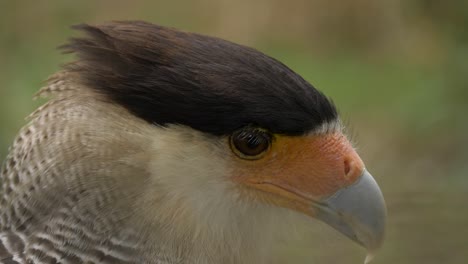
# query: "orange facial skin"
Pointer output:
{"type": "Point", "coordinates": [298, 170]}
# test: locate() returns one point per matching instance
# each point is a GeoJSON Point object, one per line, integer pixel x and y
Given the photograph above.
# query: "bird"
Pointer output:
{"type": "Point", "coordinates": [161, 146]}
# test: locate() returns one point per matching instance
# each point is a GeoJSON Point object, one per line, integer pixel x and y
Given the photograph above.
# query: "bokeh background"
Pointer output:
{"type": "Point", "coordinates": [397, 70]}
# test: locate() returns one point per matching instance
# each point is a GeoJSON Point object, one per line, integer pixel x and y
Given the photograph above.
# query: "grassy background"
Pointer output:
{"type": "Point", "coordinates": [396, 70]}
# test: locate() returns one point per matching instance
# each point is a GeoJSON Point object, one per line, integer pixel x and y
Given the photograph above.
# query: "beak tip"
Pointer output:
{"type": "Point", "coordinates": [370, 256]}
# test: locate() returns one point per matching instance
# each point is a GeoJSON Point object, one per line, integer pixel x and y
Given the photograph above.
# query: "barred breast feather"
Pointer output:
{"type": "Point", "coordinates": [62, 179]}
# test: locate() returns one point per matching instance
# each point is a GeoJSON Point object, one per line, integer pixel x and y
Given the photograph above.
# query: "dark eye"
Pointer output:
{"type": "Point", "coordinates": [250, 143]}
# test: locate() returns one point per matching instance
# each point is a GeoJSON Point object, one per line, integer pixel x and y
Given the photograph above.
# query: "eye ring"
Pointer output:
{"type": "Point", "coordinates": [250, 143]}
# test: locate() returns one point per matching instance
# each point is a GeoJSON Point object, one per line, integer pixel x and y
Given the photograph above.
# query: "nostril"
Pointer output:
{"type": "Point", "coordinates": [353, 166]}
{"type": "Point", "coordinates": [347, 167]}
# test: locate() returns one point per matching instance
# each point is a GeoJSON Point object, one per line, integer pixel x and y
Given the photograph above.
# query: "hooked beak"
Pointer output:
{"type": "Point", "coordinates": [357, 211]}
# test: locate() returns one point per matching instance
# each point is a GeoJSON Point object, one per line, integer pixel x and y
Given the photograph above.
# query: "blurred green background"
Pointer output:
{"type": "Point", "coordinates": [397, 70]}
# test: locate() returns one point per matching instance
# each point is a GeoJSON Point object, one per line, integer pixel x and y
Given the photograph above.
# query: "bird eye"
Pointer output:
{"type": "Point", "coordinates": [250, 143]}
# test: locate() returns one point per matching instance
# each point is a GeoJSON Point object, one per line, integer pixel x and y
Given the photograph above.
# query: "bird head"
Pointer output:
{"type": "Point", "coordinates": [229, 138]}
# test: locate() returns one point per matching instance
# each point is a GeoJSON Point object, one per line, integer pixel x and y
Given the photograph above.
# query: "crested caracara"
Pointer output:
{"type": "Point", "coordinates": [162, 146]}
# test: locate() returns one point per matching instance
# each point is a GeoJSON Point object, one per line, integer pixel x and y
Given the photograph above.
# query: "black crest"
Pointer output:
{"type": "Point", "coordinates": [167, 76]}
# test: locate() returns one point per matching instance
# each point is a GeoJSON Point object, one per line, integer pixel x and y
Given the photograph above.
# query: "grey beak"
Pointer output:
{"type": "Point", "coordinates": [357, 211]}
